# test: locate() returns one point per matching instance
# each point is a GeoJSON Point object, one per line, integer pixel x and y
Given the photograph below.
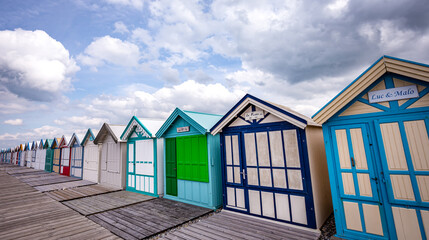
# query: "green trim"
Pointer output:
{"type": "Point", "coordinates": [192, 158]}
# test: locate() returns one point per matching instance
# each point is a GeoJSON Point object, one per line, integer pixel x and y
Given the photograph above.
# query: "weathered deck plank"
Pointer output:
{"type": "Point", "coordinates": [103, 202]}
{"type": "Point", "coordinates": [228, 225]}
{"type": "Point", "coordinates": [58, 186]}
{"type": "Point", "coordinates": [26, 213]}
{"type": "Point", "coordinates": [149, 218]}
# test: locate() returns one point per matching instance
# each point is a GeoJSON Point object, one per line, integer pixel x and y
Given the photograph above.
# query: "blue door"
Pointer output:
{"type": "Point", "coordinates": [358, 185]}
{"type": "Point", "coordinates": [266, 174]}
{"type": "Point", "coordinates": [404, 150]}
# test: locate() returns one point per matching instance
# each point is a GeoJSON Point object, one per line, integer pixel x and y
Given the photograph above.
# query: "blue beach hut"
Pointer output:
{"type": "Point", "coordinates": [377, 147]}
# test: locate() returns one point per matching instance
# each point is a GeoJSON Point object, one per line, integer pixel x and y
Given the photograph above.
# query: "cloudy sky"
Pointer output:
{"type": "Point", "coordinates": [66, 66]}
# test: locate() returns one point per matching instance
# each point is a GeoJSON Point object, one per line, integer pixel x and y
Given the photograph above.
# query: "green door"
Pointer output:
{"type": "Point", "coordinates": [48, 162]}
{"type": "Point", "coordinates": [171, 166]}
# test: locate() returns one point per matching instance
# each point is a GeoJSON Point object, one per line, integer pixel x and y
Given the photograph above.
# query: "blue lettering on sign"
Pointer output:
{"type": "Point", "coordinates": [393, 94]}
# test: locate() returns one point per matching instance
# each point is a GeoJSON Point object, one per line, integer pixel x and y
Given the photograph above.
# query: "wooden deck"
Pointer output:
{"type": "Point", "coordinates": [148, 218]}
{"type": "Point", "coordinates": [100, 203]}
{"type": "Point", "coordinates": [26, 213]}
{"type": "Point", "coordinates": [228, 225]}
{"type": "Point", "coordinates": [58, 186]}
{"type": "Point", "coordinates": [79, 192]}
{"type": "Point", "coordinates": [45, 179]}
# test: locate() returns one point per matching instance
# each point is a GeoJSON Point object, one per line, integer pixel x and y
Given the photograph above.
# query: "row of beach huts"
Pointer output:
{"type": "Point", "coordinates": [364, 156]}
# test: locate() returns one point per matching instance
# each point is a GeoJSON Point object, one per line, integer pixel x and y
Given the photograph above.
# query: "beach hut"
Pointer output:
{"type": "Point", "coordinates": [91, 156]}
{"type": "Point", "coordinates": [13, 155]}
{"type": "Point", "coordinates": [65, 156]}
{"type": "Point", "coordinates": [26, 161]}
{"type": "Point", "coordinates": [76, 156]}
{"type": "Point", "coordinates": [273, 163]}
{"type": "Point", "coordinates": [40, 156]}
{"type": "Point", "coordinates": [56, 155]}
{"type": "Point", "coordinates": [8, 155]}
{"type": "Point", "coordinates": [113, 155]}
{"type": "Point", "coordinates": [192, 159]}
{"type": "Point", "coordinates": [49, 154]}
{"type": "Point", "coordinates": [145, 155]}
{"type": "Point", "coordinates": [377, 147]}
{"type": "Point", "coordinates": [33, 154]}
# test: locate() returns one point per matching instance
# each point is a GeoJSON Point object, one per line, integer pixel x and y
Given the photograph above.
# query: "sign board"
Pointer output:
{"type": "Point", "coordinates": [183, 129]}
{"type": "Point", "coordinates": [392, 94]}
{"type": "Point", "coordinates": [254, 115]}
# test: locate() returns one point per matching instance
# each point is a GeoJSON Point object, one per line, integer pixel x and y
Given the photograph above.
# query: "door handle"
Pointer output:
{"type": "Point", "coordinates": [353, 161]}
{"type": "Point", "coordinates": [243, 174]}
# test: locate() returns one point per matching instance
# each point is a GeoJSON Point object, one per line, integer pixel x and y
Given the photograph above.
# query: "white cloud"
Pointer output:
{"type": "Point", "coordinates": [120, 27]}
{"type": "Point", "coordinates": [81, 121]}
{"type": "Point", "coordinates": [137, 4]}
{"type": "Point", "coordinates": [15, 122]}
{"type": "Point", "coordinates": [33, 65]}
{"type": "Point", "coordinates": [189, 95]}
{"type": "Point", "coordinates": [110, 50]}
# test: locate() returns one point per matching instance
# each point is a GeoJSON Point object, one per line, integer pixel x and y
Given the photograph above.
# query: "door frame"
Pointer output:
{"type": "Point", "coordinates": [307, 191]}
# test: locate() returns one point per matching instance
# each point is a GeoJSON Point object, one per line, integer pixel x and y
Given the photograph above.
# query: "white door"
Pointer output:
{"type": "Point", "coordinates": [91, 158]}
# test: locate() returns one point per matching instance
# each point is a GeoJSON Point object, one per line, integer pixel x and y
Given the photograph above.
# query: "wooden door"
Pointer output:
{"type": "Point", "coordinates": [56, 160]}
{"type": "Point", "coordinates": [65, 161]}
{"type": "Point", "coordinates": [91, 158]}
{"type": "Point", "coordinates": [404, 150]}
{"type": "Point", "coordinates": [234, 185]}
{"type": "Point", "coordinates": [141, 166]}
{"type": "Point", "coordinates": [277, 176]}
{"type": "Point", "coordinates": [358, 184]}
{"type": "Point", "coordinates": [76, 162]}
{"type": "Point", "coordinates": [49, 159]}
{"type": "Point", "coordinates": [171, 166]}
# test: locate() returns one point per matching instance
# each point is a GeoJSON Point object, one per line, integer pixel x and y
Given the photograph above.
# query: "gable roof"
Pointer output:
{"type": "Point", "coordinates": [56, 142]}
{"type": "Point", "coordinates": [75, 138]}
{"type": "Point", "coordinates": [114, 130]}
{"type": "Point", "coordinates": [34, 145]}
{"type": "Point", "coordinates": [41, 144]}
{"type": "Point", "coordinates": [383, 65]}
{"type": "Point", "coordinates": [48, 143]}
{"type": "Point", "coordinates": [63, 142]}
{"type": "Point", "coordinates": [277, 110]}
{"type": "Point", "coordinates": [200, 121]}
{"type": "Point", "coordinates": [90, 134]}
{"type": "Point", "coordinates": [28, 146]}
{"type": "Point", "coordinates": [150, 127]}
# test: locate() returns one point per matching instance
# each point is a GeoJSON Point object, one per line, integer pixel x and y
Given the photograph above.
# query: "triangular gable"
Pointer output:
{"type": "Point", "coordinates": [41, 144]}
{"type": "Point", "coordinates": [63, 141]}
{"type": "Point", "coordinates": [74, 140]}
{"type": "Point", "coordinates": [278, 111]}
{"type": "Point", "coordinates": [89, 135]}
{"type": "Point", "coordinates": [135, 125]}
{"type": "Point", "coordinates": [56, 143]}
{"type": "Point", "coordinates": [179, 113]}
{"type": "Point", "coordinates": [113, 130]}
{"type": "Point", "coordinates": [48, 143]}
{"type": "Point", "coordinates": [383, 65]}
{"type": "Point", "coordinates": [34, 145]}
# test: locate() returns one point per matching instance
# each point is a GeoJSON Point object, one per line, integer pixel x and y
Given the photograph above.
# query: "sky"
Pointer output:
{"type": "Point", "coordinates": [70, 65]}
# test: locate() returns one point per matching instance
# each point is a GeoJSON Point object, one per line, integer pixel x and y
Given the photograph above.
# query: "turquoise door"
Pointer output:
{"type": "Point", "coordinates": [141, 167]}
{"type": "Point", "coordinates": [404, 150]}
{"type": "Point", "coordinates": [358, 185]}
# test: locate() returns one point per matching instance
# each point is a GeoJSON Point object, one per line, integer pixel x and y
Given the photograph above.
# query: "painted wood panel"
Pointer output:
{"type": "Point", "coordinates": [372, 219]}
{"type": "Point", "coordinates": [422, 102]}
{"type": "Point", "coordinates": [423, 184]}
{"type": "Point", "coordinates": [290, 140]}
{"type": "Point", "coordinates": [348, 183]}
{"type": "Point", "coordinates": [418, 142]}
{"type": "Point", "coordinates": [406, 223]}
{"type": "Point", "coordinates": [393, 146]}
{"type": "Point", "coordinates": [352, 215]}
{"type": "Point", "coordinates": [91, 158]}
{"type": "Point", "coordinates": [402, 188]}
{"type": "Point", "coordinates": [358, 148]}
{"type": "Point", "coordinates": [343, 148]}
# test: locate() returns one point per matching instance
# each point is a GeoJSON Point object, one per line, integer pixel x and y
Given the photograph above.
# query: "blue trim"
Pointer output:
{"type": "Point", "coordinates": [381, 58]}
{"type": "Point", "coordinates": [260, 101]}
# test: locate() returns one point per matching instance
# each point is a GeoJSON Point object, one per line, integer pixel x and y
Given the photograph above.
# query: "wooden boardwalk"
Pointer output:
{"type": "Point", "coordinates": [79, 192]}
{"type": "Point", "coordinates": [58, 186]}
{"type": "Point", "coordinates": [26, 213]}
{"type": "Point", "coordinates": [100, 203]}
{"type": "Point", "coordinates": [148, 218]}
{"type": "Point", "coordinates": [228, 225]}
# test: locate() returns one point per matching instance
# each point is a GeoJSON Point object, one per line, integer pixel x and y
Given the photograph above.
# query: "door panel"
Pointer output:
{"type": "Point", "coordinates": [65, 162]}
{"type": "Point", "coordinates": [358, 185]}
{"type": "Point", "coordinates": [130, 166]}
{"type": "Point", "coordinates": [171, 166]}
{"type": "Point", "coordinates": [235, 194]}
{"type": "Point", "coordinates": [404, 153]}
